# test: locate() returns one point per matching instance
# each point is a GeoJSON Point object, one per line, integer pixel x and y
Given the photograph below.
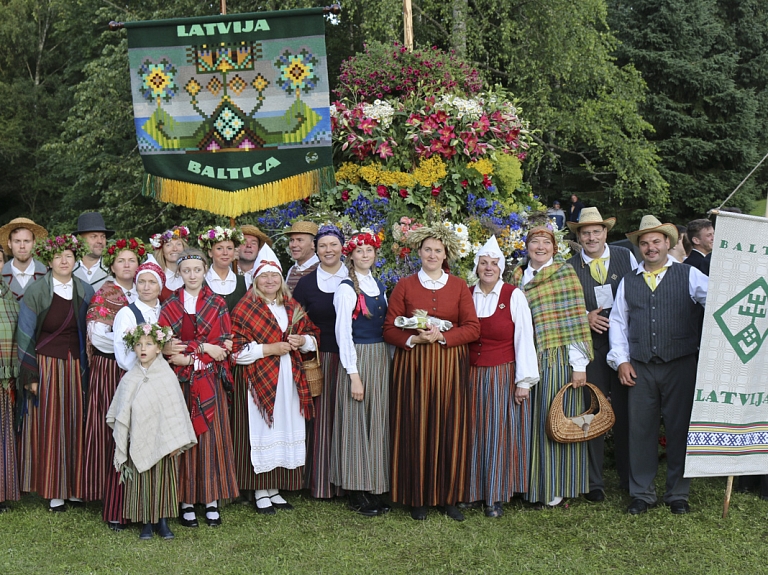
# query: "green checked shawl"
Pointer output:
{"type": "Point", "coordinates": [556, 299]}
{"type": "Point", "coordinates": [9, 315]}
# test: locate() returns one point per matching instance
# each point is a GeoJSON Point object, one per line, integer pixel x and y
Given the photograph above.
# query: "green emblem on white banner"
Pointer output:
{"type": "Point", "coordinates": [744, 319]}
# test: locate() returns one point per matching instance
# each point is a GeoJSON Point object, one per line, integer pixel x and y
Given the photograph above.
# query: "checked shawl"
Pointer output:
{"type": "Point", "coordinates": [253, 321]}
{"type": "Point", "coordinates": [556, 299]}
{"type": "Point", "coordinates": [9, 315]}
{"type": "Point", "coordinates": [212, 325]}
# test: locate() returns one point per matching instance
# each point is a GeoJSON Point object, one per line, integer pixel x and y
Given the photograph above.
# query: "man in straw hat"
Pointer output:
{"type": "Point", "coordinates": [253, 239]}
{"type": "Point", "coordinates": [18, 237]}
{"type": "Point", "coordinates": [301, 243]}
{"type": "Point", "coordinates": [91, 228]}
{"type": "Point", "coordinates": [654, 337]}
{"type": "Point", "coordinates": [600, 269]}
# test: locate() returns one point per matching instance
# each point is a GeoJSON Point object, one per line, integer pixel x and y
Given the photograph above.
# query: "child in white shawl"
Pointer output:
{"type": "Point", "coordinates": [151, 426]}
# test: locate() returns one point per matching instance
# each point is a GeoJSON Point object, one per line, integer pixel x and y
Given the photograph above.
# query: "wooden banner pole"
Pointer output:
{"type": "Point", "coordinates": [407, 25]}
{"type": "Point", "coordinates": [223, 5]}
{"type": "Point", "coordinates": [728, 490]}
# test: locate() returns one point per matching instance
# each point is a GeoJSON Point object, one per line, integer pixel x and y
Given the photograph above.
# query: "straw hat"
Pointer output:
{"type": "Point", "coordinates": [5, 232]}
{"type": "Point", "coordinates": [302, 227]}
{"type": "Point", "coordinates": [591, 217]}
{"type": "Point", "coordinates": [249, 230]}
{"type": "Point", "coordinates": [652, 224]}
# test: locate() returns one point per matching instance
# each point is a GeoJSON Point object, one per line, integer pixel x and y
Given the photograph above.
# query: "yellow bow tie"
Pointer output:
{"type": "Point", "coordinates": [598, 271]}
{"type": "Point", "coordinates": [651, 278]}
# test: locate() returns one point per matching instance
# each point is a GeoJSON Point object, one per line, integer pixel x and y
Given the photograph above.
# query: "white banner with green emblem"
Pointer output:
{"type": "Point", "coordinates": [729, 423]}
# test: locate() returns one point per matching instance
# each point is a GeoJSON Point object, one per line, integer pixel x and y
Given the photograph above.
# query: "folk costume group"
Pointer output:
{"type": "Point", "coordinates": [162, 385]}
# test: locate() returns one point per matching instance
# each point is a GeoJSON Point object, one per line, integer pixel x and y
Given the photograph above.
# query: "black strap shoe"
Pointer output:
{"type": "Point", "coordinates": [162, 529]}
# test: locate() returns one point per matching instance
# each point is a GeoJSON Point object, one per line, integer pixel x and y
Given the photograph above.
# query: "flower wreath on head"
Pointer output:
{"type": "Point", "coordinates": [175, 233]}
{"type": "Point", "coordinates": [364, 237]}
{"type": "Point", "coordinates": [160, 334]}
{"type": "Point", "coordinates": [46, 248]}
{"type": "Point", "coordinates": [114, 247]}
{"type": "Point", "coordinates": [217, 234]}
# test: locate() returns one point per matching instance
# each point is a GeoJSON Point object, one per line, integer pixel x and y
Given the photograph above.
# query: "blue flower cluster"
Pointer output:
{"type": "Point", "coordinates": [276, 219]}
{"type": "Point", "coordinates": [492, 212]}
{"type": "Point", "coordinates": [370, 213]}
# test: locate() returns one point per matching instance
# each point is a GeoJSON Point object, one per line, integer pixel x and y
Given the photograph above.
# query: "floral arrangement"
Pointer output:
{"type": "Point", "coordinates": [47, 248]}
{"type": "Point", "coordinates": [217, 234]}
{"type": "Point", "coordinates": [417, 142]}
{"type": "Point", "coordinates": [175, 233]}
{"type": "Point", "coordinates": [365, 237]}
{"type": "Point", "coordinates": [160, 334]}
{"type": "Point", "coordinates": [114, 247]}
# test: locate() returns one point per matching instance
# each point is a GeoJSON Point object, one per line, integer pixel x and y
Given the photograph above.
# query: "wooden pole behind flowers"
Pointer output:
{"type": "Point", "coordinates": [408, 25]}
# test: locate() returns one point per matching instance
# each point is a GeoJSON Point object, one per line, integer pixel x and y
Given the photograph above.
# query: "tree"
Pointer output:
{"type": "Point", "coordinates": [706, 100]}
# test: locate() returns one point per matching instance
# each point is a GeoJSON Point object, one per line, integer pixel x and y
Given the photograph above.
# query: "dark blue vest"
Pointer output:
{"type": "Point", "coordinates": [370, 329]}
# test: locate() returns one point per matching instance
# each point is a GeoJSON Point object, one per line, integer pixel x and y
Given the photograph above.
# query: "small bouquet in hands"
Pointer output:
{"type": "Point", "coordinates": [420, 320]}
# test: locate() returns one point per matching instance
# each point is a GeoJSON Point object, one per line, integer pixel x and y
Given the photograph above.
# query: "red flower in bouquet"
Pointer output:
{"type": "Point", "coordinates": [436, 191]}
{"type": "Point", "coordinates": [382, 191]}
{"type": "Point", "coordinates": [345, 196]}
{"type": "Point", "coordinates": [403, 193]}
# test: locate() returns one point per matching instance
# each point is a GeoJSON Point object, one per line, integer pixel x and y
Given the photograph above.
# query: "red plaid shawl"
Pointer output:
{"type": "Point", "coordinates": [212, 325]}
{"type": "Point", "coordinates": [253, 321]}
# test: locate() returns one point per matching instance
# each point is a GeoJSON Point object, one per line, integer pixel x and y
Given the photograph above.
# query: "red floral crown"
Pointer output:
{"type": "Point", "coordinates": [365, 238]}
{"type": "Point", "coordinates": [114, 247]}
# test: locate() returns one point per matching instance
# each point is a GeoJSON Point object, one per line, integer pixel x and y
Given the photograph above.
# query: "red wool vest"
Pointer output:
{"type": "Point", "coordinates": [496, 345]}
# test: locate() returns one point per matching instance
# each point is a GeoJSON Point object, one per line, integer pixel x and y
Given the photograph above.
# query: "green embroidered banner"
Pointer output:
{"type": "Point", "coordinates": [232, 111]}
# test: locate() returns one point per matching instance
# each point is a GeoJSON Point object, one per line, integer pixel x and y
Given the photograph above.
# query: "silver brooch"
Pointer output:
{"type": "Point", "coordinates": [502, 306]}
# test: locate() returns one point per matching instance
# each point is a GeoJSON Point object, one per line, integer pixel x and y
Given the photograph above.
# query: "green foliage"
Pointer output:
{"type": "Point", "coordinates": [704, 63]}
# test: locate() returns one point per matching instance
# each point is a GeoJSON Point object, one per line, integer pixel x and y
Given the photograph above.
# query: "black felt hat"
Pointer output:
{"type": "Point", "coordinates": [91, 222]}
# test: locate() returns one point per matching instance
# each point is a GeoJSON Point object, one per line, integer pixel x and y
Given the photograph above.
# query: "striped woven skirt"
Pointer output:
{"type": "Point", "coordinates": [151, 496]}
{"type": "Point", "coordinates": [207, 470]}
{"type": "Point", "coordinates": [246, 478]}
{"type": "Point", "coordinates": [557, 469]}
{"type": "Point", "coordinates": [499, 436]}
{"type": "Point", "coordinates": [360, 446]}
{"type": "Point", "coordinates": [53, 432]}
{"type": "Point", "coordinates": [9, 477]}
{"type": "Point", "coordinates": [428, 409]}
{"type": "Point", "coordinates": [105, 374]}
{"type": "Point", "coordinates": [320, 431]}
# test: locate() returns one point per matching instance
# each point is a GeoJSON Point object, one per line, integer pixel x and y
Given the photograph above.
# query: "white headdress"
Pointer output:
{"type": "Point", "coordinates": [266, 261]}
{"type": "Point", "coordinates": [492, 250]}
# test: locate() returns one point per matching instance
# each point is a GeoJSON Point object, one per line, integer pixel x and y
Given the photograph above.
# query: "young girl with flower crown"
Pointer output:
{"type": "Point", "coordinates": [360, 441]}
{"type": "Point", "coordinates": [151, 426]}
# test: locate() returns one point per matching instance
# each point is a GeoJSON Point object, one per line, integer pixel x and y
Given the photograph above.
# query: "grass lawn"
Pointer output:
{"type": "Point", "coordinates": [323, 537]}
{"type": "Point", "coordinates": [759, 208]}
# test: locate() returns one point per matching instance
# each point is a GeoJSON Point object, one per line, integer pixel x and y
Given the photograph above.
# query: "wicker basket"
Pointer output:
{"type": "Point", "coordinates": [313, 369]}
{"type": "Point", "coordinates": [563, 429]}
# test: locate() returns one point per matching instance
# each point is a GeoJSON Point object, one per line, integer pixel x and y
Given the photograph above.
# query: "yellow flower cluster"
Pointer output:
{"type": "Point", "coordinates": [430, 171]}
{"type": "Point", "coordinates": [348, 172]}
{"type": "Point", "coordinates": [375, 175]}
{"type": "Point", "coordinates": [483, 166]}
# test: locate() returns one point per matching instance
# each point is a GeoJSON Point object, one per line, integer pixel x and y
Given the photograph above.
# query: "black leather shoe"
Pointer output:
{"type": "Point", "coordinates": [187, 522]}
{"type": "Point", "coordinates": [382, 505]}
{"type": "Point", "coordinates": [269, 510]}
{"type": "Point", "coordinates": [116, 526]}
{"type": "Point", "coordinates": [162, 529]}
{"type": "Point", "coordinates": [452, 512]}
{"type": "Point", "coordinates": [4, 508]}
{"type": "Point", "coordinates": [284, 506]}
{"type": "Point", "coordinates": [495, 510]}
{"type": "Point", "coordinates": [419, 513]}
{"type": "Point", "coordinates": [58, 509]}
{"type": "Point", "coordinates": [359, 503]}
{"type": "Point", "coordinates": [147, 532]}
{"type": "Point", "coordinates": [595, 496]}
{"type": "Point", "coordinates": [638, 506]}
{"type": "Point", "coordinates": [75, 504]}
{"type": "Point", "coordinates": [212, 522]}
{"type": "Point", "coordinates": [679, 507]}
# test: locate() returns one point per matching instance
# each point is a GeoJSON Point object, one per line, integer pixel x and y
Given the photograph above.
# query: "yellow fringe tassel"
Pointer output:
{"type": "Point", "coordinates": [234, 204]}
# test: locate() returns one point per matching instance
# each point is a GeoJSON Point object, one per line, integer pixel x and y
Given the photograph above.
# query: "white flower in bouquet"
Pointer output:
{"type": "Point", "coordinates": [381, 111]}
{"type": "Point", "coordinates": [462, 231]}
{"type": "Point", "coordinates": [465, 248]}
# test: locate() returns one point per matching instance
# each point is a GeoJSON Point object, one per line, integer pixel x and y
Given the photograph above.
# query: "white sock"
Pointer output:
{"type": "Point", "coordinates": [555, 501]}
{"type": "Point", "coordinates": [262, 498]}
{"type": "Point", "coordinates": [188, 511]}
{"type": "Point", "coordinates": [57, 502]}
{"type": "Point", "coordinates": [211, 514]}
{"type": "Point", "coordinates": [275, 497]}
